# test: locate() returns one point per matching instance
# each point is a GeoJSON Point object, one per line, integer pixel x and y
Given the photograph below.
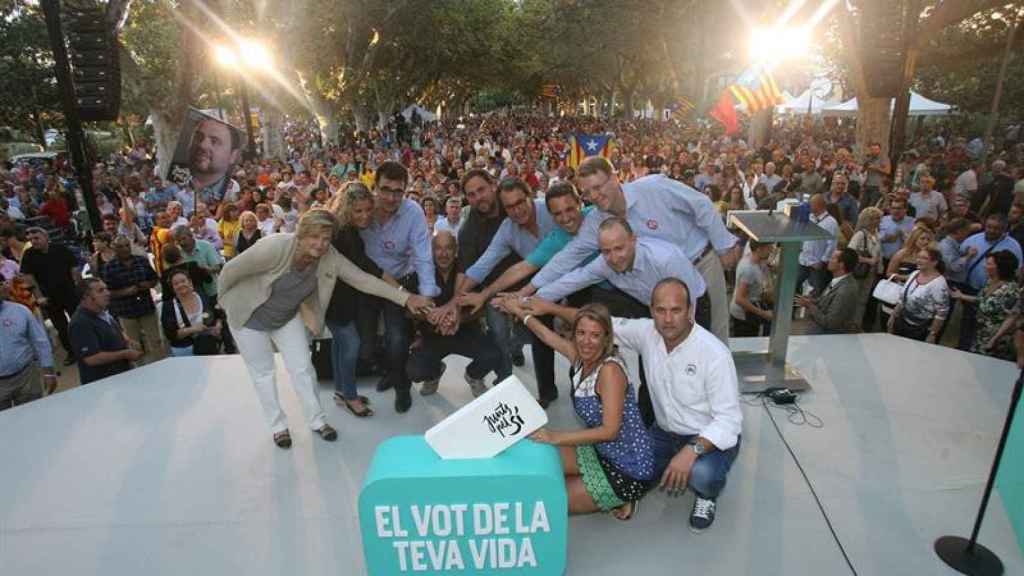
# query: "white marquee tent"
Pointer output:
{"type": "Point", "coordinates": [804, 102]}
{"type": "Point", "coordinates": [919, 106]}
{"type": "Point", "coordinates": [425, 115]}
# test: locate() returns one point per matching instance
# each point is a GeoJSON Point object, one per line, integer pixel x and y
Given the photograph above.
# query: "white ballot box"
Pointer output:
{"type": "Point", "coordinates": [489, 424]}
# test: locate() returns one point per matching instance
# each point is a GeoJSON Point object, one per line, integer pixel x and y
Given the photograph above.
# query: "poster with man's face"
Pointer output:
{"type": "Point", "coordinates": [208, 150]}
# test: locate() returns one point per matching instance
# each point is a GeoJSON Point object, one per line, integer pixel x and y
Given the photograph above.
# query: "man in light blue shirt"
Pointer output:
{"type": "Point", "coordinates": [567, 210]}
{"type": "Point", "coordinates": [632, 265]}
{"type": "Point", "coordinates": [659, 207]}
{"type": "Point", "coordinates": [993, 239]}
{"type": "Point", "coordinates": [527, 223]}
{"type": "Point", "coordinates": [398, 241]}
{"type": "Point", "coordinates": [895, 228]}
{"type": "Point", "coordinates": [24, 350]}
{"type": "Point", "coordinates": [815, 254]}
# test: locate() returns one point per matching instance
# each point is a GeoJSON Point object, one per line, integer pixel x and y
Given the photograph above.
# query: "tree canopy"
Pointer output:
{"type": "Point", "coordinates": [361, 60]}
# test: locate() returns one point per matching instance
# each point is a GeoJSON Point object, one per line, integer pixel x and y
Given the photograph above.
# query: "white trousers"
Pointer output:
{"type": "Point", "coordinates": [710, 268]}
{"type": "Point", "coordinates": [257, 349]}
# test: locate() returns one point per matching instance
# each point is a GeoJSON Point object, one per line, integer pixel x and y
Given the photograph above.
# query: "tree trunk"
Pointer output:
{"type": "Point", "coordinates": [872, 123]}
{"type": "Point", "coordinates": [362, 117]}
{"type": "Point", "coordinates": [760, 128]}
{"type": "Point", "coordinates": [165, 136]}
{"type": "Point", "coordinates": [627, 103]}
{"type": "Point", "coordinates": [39, 133]}
{"type": "Point", "coordinates": [273, 142]}
{"type": "Point", "coordinates": [329, 127]}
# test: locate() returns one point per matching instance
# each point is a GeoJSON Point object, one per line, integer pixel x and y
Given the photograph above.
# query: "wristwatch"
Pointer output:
{"type": "Point", "coordinates": [698, 446]}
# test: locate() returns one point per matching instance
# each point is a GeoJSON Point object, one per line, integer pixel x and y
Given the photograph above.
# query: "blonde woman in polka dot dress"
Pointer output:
{"type": "Point", "coordinates": [608, 465]}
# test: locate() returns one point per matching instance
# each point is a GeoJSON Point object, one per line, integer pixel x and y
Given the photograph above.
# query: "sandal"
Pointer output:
{"type": "Point", "coordinates": [283, 439]}
{"type": "Point", "coordinates": [345, 403]}
{"type": "Point", "coordinates": [634, 507]}
{"type": "Point", "coordinates": [327, 433]}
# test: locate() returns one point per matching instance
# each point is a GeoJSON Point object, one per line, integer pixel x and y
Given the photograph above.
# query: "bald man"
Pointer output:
{"type": "Point", "coordinates": [426, 362]}
{"type": "Point", "coordinates": [814, 255]}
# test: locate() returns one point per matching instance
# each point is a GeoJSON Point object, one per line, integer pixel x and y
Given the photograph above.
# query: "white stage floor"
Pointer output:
{"type": "Point", "coordinates": [170, 470]}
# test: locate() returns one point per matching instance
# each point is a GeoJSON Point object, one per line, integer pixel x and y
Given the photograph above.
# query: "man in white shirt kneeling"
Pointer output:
{"type": "Point", "coordinates": [695, 392]}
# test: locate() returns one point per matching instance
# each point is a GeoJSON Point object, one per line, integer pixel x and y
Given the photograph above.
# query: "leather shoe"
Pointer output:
{"type": "Point", "coordinates": [545, 402]}
{"type": "Point", "coordinates": [403, 400]}
{"type": "Point", "coordinates": [384, 384]}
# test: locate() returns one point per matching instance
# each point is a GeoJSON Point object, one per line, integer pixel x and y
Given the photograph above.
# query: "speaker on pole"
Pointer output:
{"type": "Point", "coordinates": [95, 63]}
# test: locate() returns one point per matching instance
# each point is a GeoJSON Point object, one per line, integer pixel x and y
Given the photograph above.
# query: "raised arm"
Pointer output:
{"type": "Point", "coordinates": [548, 336]}
{"type": "Point", "coordinates": [574, 281]}
{"type": "Point", "coordinates": [568, 258]}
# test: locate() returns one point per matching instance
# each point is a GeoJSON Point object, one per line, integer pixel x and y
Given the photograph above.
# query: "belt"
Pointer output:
{"type": "Point", "coordinates": [707, 250]}
{"type": "Point", "coordinates": [16, 372]}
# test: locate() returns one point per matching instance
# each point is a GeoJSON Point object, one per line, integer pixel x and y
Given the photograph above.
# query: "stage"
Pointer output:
{"type": "Point", "coordinates": [170, 470]}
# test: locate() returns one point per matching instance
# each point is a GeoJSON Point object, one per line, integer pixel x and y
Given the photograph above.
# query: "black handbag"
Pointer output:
{"type": "Point", "coordinates": [320, 354]}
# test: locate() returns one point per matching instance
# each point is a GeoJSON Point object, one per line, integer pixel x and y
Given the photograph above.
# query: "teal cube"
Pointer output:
{"type": "Point", "coordinates": [503, 515]}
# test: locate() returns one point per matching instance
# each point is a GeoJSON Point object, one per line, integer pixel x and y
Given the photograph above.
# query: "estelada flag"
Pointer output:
{"type": "Point", "coordinates": [551, 91]}
{"type": "Point", "coordinates": [725, 112]}
{"type": "Point", "coordinates": [682, 108]}
{"type": "Point", "coordinates": [755, 90]}
{"type": "Point", "coordinates": [584, 145]}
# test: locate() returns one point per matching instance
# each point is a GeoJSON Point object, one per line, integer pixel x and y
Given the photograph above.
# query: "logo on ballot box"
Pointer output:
{"type": "Point", "coordinates": [489, 424]}
{"type": "Point", "coordinates": [505, 421]}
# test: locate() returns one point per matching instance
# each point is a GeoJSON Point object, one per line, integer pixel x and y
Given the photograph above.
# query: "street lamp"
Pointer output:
{"type": "Point", "coordinates": [249, 54]}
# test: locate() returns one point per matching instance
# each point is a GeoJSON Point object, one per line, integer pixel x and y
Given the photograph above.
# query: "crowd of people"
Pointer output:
{"type": "Point", "coordinates": [477, 238]}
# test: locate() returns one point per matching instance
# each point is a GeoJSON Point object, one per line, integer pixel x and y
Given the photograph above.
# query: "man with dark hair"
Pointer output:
{"type": "Point", "coordinates": [52, 270]}
{"type": "Point", "coordinates": [992, 239]}
{"type": "Point", "coordinates": [398, 241]}
{"type": "Point", "coordinates": [215, 147]}
{"type": "Point", "coordinates": [528, 222]}
{"type": "Point", "coordinates": [834, 310]}
{"type": "Point", "coordinates": [485, 216]}
{"type": "Point", "coordinates": [130, 279]}
{"type": "Point", "coordinates": [99, 342]}
{"type": "Point", "coordinates": [655, 206]}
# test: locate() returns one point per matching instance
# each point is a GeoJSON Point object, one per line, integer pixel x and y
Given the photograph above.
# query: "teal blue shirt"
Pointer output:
{"type": "Point", "coordinates": [555, 241]}
{"type": "Point", "coordinates": [552, 243]}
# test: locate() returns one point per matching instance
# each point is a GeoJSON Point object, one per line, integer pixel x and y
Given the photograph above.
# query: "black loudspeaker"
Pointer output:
{"type": "Point", "coordinates": [881, 46]}
{"type": "Point", "coordinates": [95, 65]}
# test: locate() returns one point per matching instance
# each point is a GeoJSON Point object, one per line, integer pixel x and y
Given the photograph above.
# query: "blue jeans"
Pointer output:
{"type": "Point", "coordinates": [185, 351]}
{"type": "Point", "coordinates": [344, 354]}
{"type": "Point", "coordinates": [707, 477]}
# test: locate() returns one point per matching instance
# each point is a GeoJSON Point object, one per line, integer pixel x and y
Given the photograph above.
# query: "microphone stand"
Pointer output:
{"type": "Point", "coordinates": [967, 556]}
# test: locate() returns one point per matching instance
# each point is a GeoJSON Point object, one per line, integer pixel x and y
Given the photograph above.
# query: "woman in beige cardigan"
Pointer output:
{"type": "Point", "coordinates": [275, 290]}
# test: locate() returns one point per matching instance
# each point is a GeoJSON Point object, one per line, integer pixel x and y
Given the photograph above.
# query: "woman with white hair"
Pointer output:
{"type": "Point", "coordinates": [277, 289]}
